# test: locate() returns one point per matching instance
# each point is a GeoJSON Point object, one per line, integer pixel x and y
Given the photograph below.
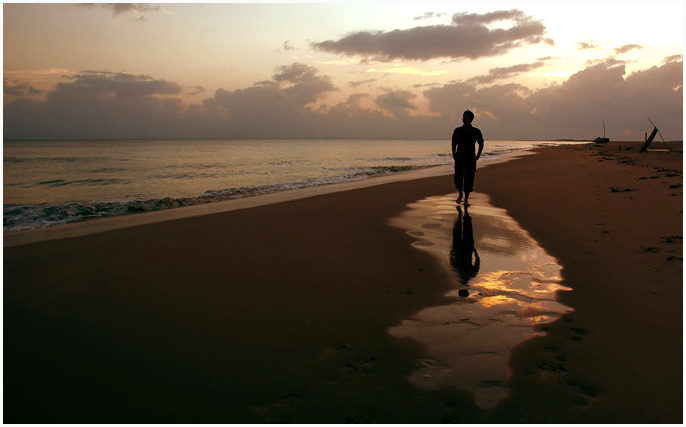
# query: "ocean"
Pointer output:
{"type": "Point", "coordinates": [57, 182]}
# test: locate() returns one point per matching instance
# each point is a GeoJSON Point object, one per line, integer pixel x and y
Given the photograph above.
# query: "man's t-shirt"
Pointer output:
{"type": "Point", "coordinates": [465, 139]}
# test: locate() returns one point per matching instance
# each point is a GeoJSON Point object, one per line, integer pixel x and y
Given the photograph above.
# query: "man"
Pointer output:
{"type": "Point", "coordinates": [464, 139]}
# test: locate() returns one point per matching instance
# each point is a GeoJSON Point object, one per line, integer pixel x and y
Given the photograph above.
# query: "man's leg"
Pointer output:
{"type": "Point", "coordinates": [458, 179]}
{"type": "Point", "coordinates": [469, 182]}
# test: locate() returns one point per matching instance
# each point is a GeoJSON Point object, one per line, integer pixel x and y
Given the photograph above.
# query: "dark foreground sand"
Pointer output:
{"type": "Point", "coordinates": [280, 313]}
{"type": "Point", "coordinates": [614, 219]}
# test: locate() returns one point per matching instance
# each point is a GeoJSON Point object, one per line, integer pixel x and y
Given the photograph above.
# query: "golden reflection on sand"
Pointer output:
{"type": "Point", "coordinates": [504, 290]}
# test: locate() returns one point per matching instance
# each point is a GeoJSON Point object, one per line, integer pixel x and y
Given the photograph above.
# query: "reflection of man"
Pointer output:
{"type": "Point", "coordinates": [464, 139]}
{"type": "Point", "coordinates": [461, 259]}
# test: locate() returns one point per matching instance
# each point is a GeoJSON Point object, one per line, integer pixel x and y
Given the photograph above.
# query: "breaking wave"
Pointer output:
{"type": "Point", "coordinates": [19, 218]}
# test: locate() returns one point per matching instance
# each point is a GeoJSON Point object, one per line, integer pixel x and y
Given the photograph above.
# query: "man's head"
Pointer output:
{"type": "Point", "coordinates": [467, 117]}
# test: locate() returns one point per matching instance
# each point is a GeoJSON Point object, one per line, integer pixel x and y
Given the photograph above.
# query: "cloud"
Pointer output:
{"type": "Point", "coordinates": [358, 83]}
{"type": "Point", "coordinates": [549, 58]}
{"type": "Point", "coordinates": [475, 19]}
{"type": "Point", "coordinates": [422, 85]}
{"type": "Point", "coordinates": [195, 90]}
{"type": "Point", "coordinates": [355, 99]}
{"type": "Point", "coordinates": [103, 104]}
{"type": "Point", "coordinates": [14, 88]}
{"type": "Point", "coordinates": [429, 15]}
{"type": "Point", "coordinates": [138, 10]}
{"type": "Point", "coordinates": [674, 58]}
{"type": "Point", "coordinates": [608, 61]}
{"type": "Point", "coordinates": [396, 102]}
{"type": "Point", "coordinates": [467, 37]}
{"type": "Point", "coordinates": [287, 46]}
{"type": "Point", "coordinates": [37, 73]}
{"type": "Point", "coordinates": [587, 46]}
{"type": "Point", "coordinates": [506, 72]}
{"type": "Point", "coordinates": [407, 70]}
{"type": "Point", "coordinates": [306, 87]}
{"type": "Point", "coordinates": [294, 73]}
{"type": "Point", "coordinates": [575, 108]}
{"type": "Point", "coordinates": [98, 104]}
{"type": "Point", "coordinates": [117, 84]}
{"type": "Point", "coordinates": [628, 48]}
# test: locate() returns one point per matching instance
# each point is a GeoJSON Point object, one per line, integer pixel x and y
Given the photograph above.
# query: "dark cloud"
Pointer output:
{"type": "Point", "coordinates": [674, 58]}
{"type": "Point", "coordinates": [475, 19]}
{"type": "Point", "coordinates": [294, 73]}
{"type": "Point", "coordinates": [118, 84]}
{"type": "Point", "coordinates": [429, 15]}
{"type": "Point", "coordinates": [94, 105]}
{"type": "Point", "coordinates": [397, 102]}
{"type": "Point", "coordinates": [607, 61]}
{"type": "Point", "coordinates": [306, 87]}
{"type": "Point", "coordinates": [287, 46]}
{"type": "Point", "coordinates": [98, 104]}
{"type": "Point", "coordinates": [12, 88]}
{"type": "Point", "coordinates": [355, 98]}
{"type": "Point", "coordinates": [575, 108]}
{"type": "Point", "coordinates": [358, 83]}
{"type": "Point", "coordinates": [468, 37]}
{"type": "Point", "coordinates": [277, 108]}
{"type": "Point", "coordinates": [506, 72]}
{"type": "Point", "coordinates": [195, 90]}
{"type": "Point", "coordinates": [422, 85]}
{"type": "Point", "coordinates": [628, 48]}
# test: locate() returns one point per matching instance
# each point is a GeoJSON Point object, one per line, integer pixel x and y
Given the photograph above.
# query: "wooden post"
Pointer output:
{"type": "Point", "coordinates": [648, 141]}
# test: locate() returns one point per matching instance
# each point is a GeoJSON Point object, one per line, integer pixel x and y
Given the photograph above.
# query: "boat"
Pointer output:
{"type": "Point", "coordinates": [603, 139]}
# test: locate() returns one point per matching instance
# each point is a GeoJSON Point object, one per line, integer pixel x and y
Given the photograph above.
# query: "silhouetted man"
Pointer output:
{"type": "Point", "coordinates": [463, 147]}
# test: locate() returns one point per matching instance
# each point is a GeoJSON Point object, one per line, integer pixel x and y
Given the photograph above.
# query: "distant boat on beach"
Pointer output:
{"type": "Point", "coordinates": [603, 139]}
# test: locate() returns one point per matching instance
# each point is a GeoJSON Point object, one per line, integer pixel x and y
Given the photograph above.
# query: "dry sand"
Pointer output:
{"type": "Point", "coordinates": [280, 313]}
{"type": "Point", "coordinates": [614, 219]}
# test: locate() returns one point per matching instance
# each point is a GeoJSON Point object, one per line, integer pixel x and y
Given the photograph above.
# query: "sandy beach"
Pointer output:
{"type": "Point", "coordinates": [280, 313]}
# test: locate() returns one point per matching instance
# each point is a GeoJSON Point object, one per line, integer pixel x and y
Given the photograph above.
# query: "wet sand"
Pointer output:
{"type": "Point", "coordinates": [281, 313]}
{"type": "Point", "coordinates": [614, 220]}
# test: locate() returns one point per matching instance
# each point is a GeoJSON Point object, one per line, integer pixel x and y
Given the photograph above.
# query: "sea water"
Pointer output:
{"type": "Point", "coordinates": [56, 182]}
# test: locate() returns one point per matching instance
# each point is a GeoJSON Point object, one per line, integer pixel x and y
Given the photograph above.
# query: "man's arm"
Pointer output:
{"type": "Point", "coordinates": [481, 148]}
{"type": "Point", "coordinates": [480, 141]}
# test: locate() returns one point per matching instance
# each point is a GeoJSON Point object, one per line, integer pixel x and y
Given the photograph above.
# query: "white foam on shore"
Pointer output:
{"type": "Point", "coordinates": [101, 225]}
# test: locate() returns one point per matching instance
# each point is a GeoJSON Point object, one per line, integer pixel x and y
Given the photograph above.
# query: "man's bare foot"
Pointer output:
{"type": "Point", "coordinates": [459, 198]}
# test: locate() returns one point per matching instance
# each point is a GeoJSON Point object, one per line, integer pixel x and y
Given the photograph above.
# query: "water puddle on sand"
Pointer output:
{"type": "Point", "coordinates": [505, 288]}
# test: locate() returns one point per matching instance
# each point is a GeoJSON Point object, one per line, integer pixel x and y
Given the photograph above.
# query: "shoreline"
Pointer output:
{"type": "Point", "coordinates": [99, 225]}
{"type": "Point", "coordinates": [279, 313]}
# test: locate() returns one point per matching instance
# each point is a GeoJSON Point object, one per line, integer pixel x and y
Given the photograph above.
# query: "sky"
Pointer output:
{"type": "Point", "coordinates": [342, 70]}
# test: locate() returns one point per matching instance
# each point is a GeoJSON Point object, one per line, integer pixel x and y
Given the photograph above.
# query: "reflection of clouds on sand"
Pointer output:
{"type": "Point", "coordinates": [468, 342]}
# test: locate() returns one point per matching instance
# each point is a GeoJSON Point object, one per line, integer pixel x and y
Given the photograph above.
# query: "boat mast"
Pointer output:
{"type": "Point", "coordinates": [603, 128]}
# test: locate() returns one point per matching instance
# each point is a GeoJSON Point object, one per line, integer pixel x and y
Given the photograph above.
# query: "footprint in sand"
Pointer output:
{"type": "Point", "coordinates": [285, 401]}
{"type": "Point", "coordinates": [364, 366]}
{"type": "Point", "coordinates": [580, 392]}
{"type": "Point", "coordinates": [577, 333]}
{"type": "Point", "coordinates": [584, 394]}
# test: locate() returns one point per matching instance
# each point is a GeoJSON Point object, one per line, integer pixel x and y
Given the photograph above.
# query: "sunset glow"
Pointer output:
{"type": "Point", "coordinates": [183, 70]}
